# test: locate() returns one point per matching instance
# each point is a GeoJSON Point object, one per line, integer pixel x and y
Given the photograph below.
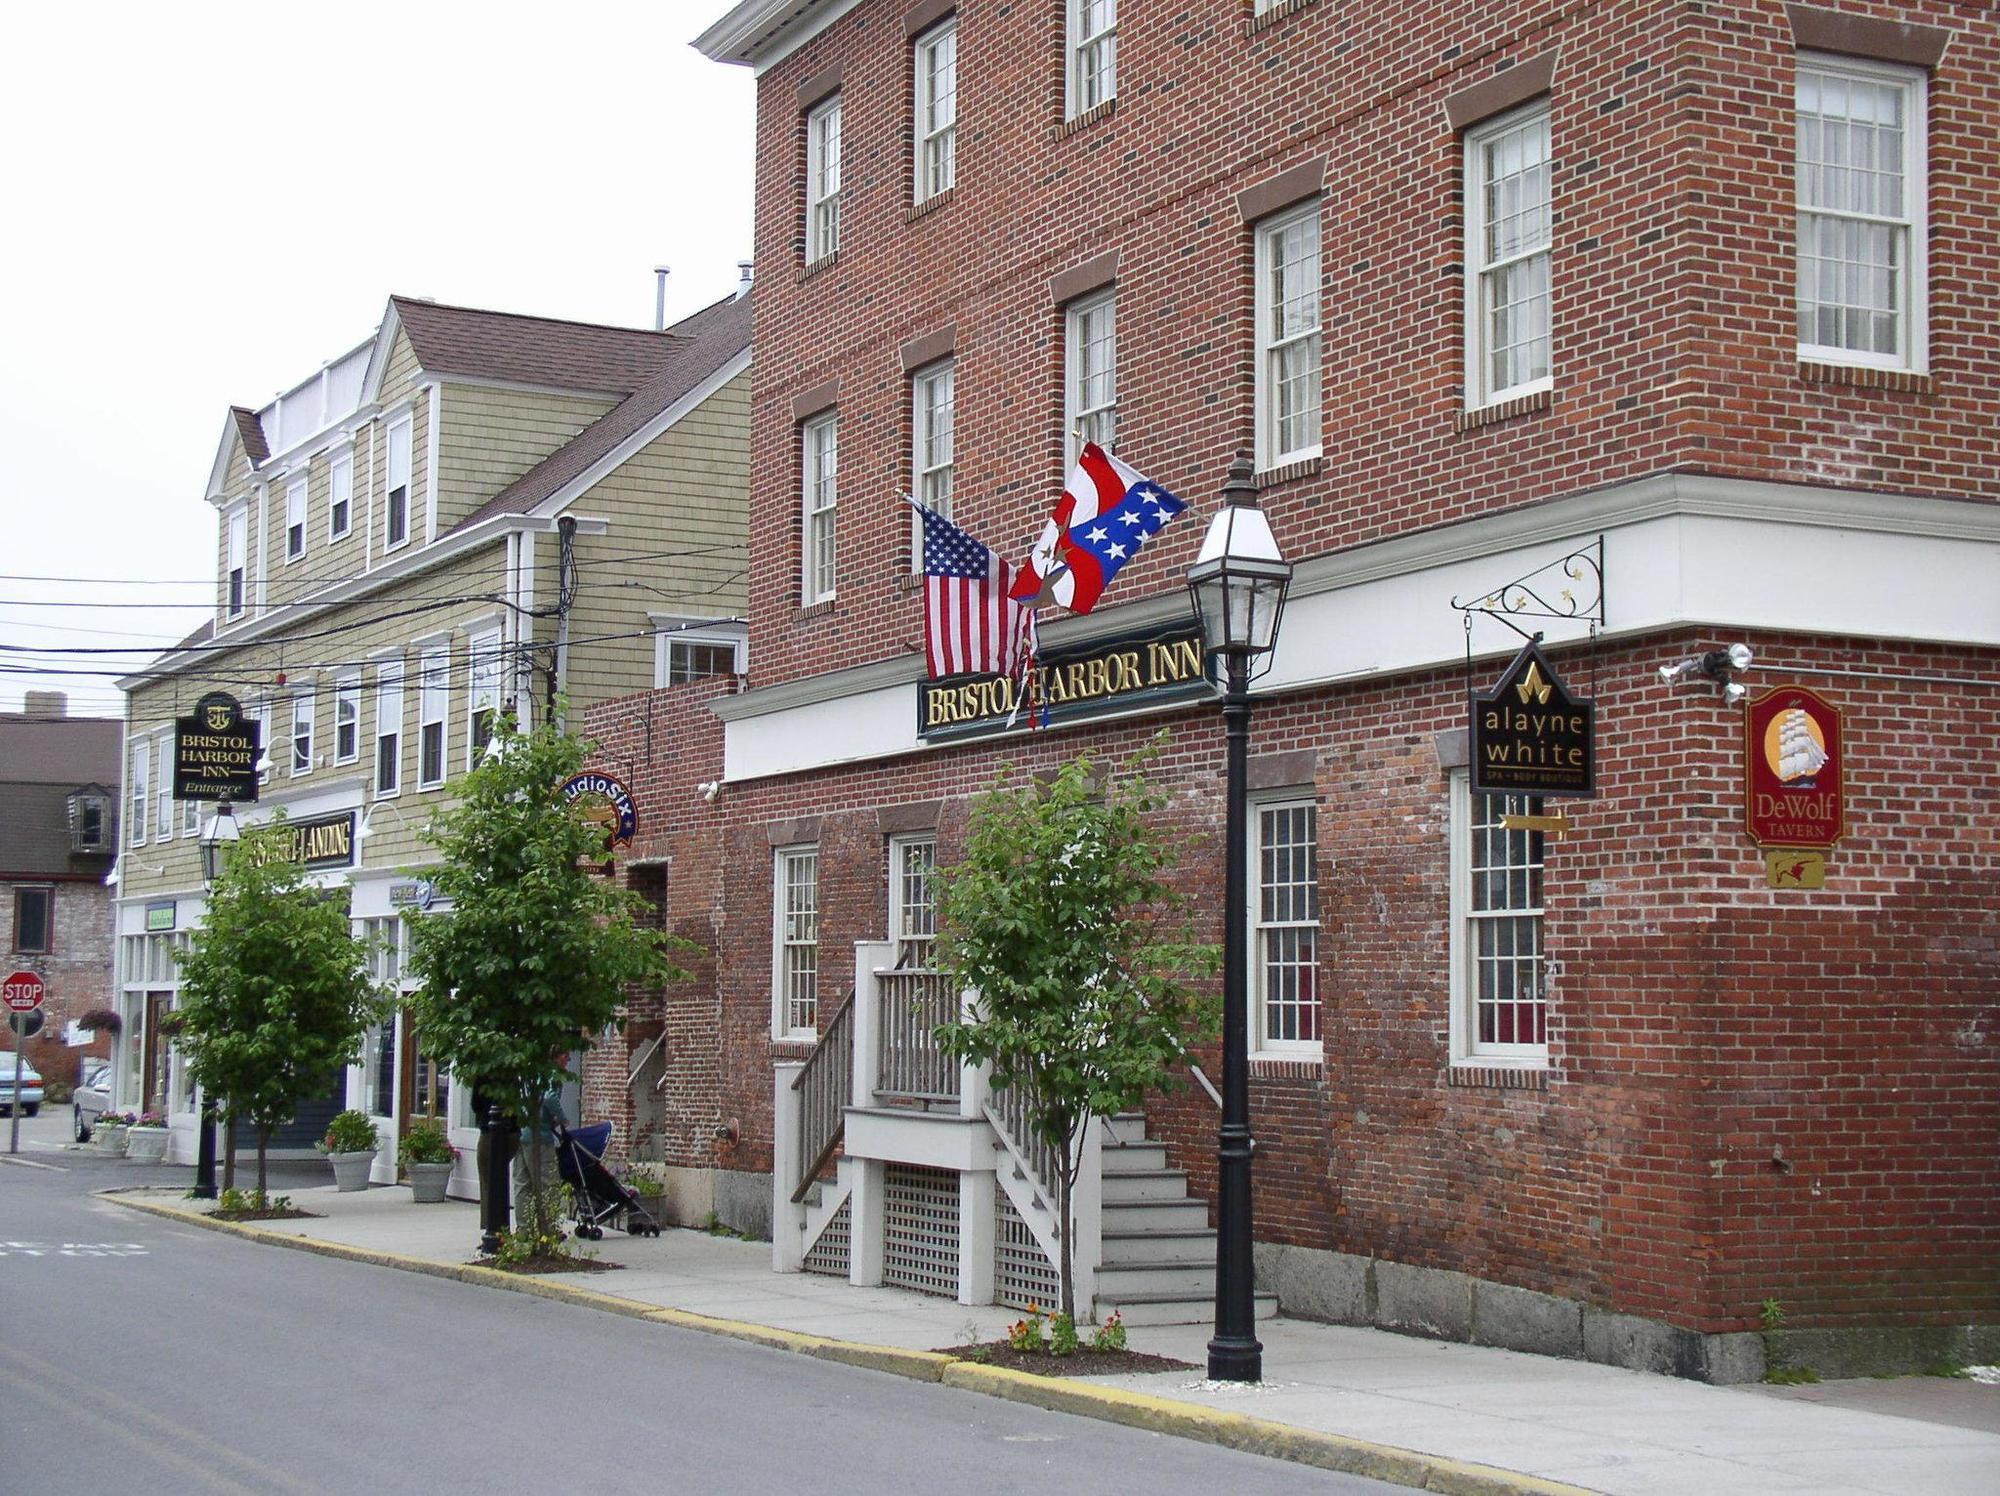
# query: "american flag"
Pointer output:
{"type": "Point", "coordinates": [970, 624]}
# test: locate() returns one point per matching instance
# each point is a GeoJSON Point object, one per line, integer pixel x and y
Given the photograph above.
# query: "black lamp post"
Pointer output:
{"type": "Point", "coordinates": [1238, 583]}
{"type": "Point", "coordinates": [218, 835]}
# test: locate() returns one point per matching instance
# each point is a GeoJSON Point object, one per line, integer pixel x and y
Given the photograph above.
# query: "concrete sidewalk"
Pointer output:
{"type": "Point", "coordinates": [1329, 1393]}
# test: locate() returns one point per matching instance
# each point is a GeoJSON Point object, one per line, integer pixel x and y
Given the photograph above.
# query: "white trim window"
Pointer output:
{"type": "Point", "coordinates": [795, 942]}
{"type": "Point", "coordinates": [688, 657]}
{"type": "Point", "coordinates": [1284, 927]}
{"type": "Point", "coordinates": [295, 521]}
{"type": "Point", "coordinates": [1090, 382]}
{"type": "Point", "coordinates": [347, 719]}
{"type": "Point", "coordinates": [303, 706]}
{"type": "Point", "coordinates": [388, 728]}
{"type": "Point", "coordinates": [933, 397]}
{"type": "Point", "coordinates": [913, 897]}
{"type": "Point", "coordinates": [1508, 205]}
{"type": "Point", "coordinates": [142, 790]}
{"type": "Point", "coordinates": [1288, 337]}
{"type": "Point", "coordinates": [340, 496]}
{"type": "Point", "coordinates": [396, 503]}
{"type": "Point", "coordinates": [266, 755]}
{"type": "Point", "coordinates": [936, 53]}
{"type": "Point", "coordinates": [823, 181]}
{"type": "Point", "coordinates": [482, 693]}
{"type": "Point", "coordinates": [236, 595]}
{"type": "Point", "coordinates": [433, 707]}
{"type": "Point", "coordinates": [163, 820]}
{"type": "Point", "coordinates": [190, 818]}
{"type": "Point", "coordinates": [819, 443]}
{"type": "Point", "coordinates": [1093, 54]}
{"type": "Point", "coordinates": [1862, 213]}
{"type": "Point", "coordinates": [1499, 997]}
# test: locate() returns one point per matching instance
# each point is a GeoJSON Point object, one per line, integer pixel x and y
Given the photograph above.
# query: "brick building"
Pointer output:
{"type": "Point", "coordinates": [1684, 313]}
{"type": "Point", "coordinates": [58, 839]}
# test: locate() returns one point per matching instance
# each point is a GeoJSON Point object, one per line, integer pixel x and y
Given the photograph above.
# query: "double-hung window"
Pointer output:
{"type": "Point", "coordinates": [433, 699]}
{"type": "Point", "coordinates": [34, 920]}
{"type": "Point", "coordinates": [1861, 206]}
{"type": "Point", "coordinates": [397, 524]}
{"type": "Point", "coordinates": [142, 790]}
{"type": "Point", "coordinates": [1284, 925]}
{"type": "Point", "coordinates": [912, 900]}
{"type": "Point", "coordinates": [937, 110]}
{"type": "Point", "coordinates": [340, 490]}
{"type": "Point", "coordinates": [795, 1005]}
{"type": "Point", "coordinates": [933, 391]}
{"type": "Point", "coordinates": [696, 659]}
{"type": "Point", "coordinates": [820, 451]}
{"type": "Point", "coordinates": [482, 705]}
{"type": "Point", "coordinates": [1093, 54]}
{"type": "Point", "coordinates": [388, 727]}
{"type": "Point", "coordinates": [1507, 227]}
{"type": "Point", "coordinates": [190, 818]}
{"type": "Point", "coordinates": [302, 731]}
{"type": "Point", "coordinates": [1090, 406]}
{"type": "Point", "coordinates": [823, 181]}
{"type": "Point", "coordinates": [1499, 1002]}
{"type": "Point", "coordinates": [295, 520]}
{"type": "Point", "coordinates": [239, 545]}
{"type": "Point", "coordinates": [347, 719]}
{"type": "Point", "coordinates": [1288, 337]}
{"type": "Point", "coordinates": [163, 819]}
{"type": "Point", "coordinates": [86, 823]}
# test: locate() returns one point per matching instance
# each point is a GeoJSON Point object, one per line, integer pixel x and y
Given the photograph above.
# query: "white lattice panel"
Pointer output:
{"type": "Point", "coordinates": [1022, 1272]}
{"type": "Point", "coordinates": [920, 1239]}
{"type": "Point", "coordinates": [830, 1253]}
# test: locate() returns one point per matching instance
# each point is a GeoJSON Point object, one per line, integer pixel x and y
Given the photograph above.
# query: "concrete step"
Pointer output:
{"type": "Point", "coordinates": [1133, 1158]}
{"type": "Point", "coordinates": [1150, 1184]}
{"type": "Point", "coordinates": [1188, 1280]}
{"type": "Point", "coordinates": [1171, 1309]}
{"type": "Point", "coordinates": [1159, 1246]}
{"type": "Point", "coordinates": [1126, 1219]}
{"type": "Point", "coordinates": [1126, 1127]}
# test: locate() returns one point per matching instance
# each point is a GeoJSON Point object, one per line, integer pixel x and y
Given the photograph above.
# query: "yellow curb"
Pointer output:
{"type": "Point", "coordinates": [1229, 1429]}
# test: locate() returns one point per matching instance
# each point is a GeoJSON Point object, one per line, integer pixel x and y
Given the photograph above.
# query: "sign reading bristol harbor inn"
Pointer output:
{"type": "Point", "coordinates": [215, 751]}
{"type": "Point", "coordinates": [1083, 680]}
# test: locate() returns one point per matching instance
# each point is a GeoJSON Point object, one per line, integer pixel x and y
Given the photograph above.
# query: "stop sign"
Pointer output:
{"type": "Point", "coordinates": [23, 992]}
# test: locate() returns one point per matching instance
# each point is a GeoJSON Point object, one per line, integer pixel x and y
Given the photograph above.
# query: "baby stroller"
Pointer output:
{"type": "Point", "coordinates": [598, 1194]}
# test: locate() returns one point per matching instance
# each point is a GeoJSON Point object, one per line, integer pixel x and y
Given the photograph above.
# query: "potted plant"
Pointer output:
{"type": "Point", "coordinates": [427, 1157]}
{"type": "Point", "coordinates": [147, 1140]}
{"type": "Point", "coordinates": [350, 1145]}
{"type": "Point", "coordinates": [109, 1133]}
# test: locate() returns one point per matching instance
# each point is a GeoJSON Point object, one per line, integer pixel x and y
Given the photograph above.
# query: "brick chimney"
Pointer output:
{"type": "Point", "coordinates": [46, 704]}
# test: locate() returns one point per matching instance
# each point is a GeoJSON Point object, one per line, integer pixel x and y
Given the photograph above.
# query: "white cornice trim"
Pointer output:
{"type": "Point", "coordinates": [760, 33]}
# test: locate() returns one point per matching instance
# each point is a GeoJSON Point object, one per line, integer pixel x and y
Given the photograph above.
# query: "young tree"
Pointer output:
{"type": "Point", "coordinates": [274, 993]}
{"type": "Point", "coordinates": [1082, 954]}
{"type": "Point", "coordinates": [533, 953]}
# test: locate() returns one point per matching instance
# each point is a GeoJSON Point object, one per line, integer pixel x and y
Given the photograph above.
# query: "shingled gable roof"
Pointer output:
{"type": "Point", "coordinates": [251, 432]}
{"type": "Point", "coordinates": [519, 349]}
{"type": "Point", "coordinates": [708, 341]}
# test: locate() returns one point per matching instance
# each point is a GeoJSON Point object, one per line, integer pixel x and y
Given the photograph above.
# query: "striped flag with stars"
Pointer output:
{"type": "Point", "coordinates": [970, 624]}
{"type": "Point", "coordinates": [1107, 511]}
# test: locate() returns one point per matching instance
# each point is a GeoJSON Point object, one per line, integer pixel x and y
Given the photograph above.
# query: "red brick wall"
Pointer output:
{"type": "Point", "coordinates": [77, 972]}
{"type": "Point", "coordinates": [1674, 334]}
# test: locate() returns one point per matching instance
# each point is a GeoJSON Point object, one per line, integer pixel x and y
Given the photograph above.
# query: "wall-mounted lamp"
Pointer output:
{"type": "Point", "coordinates": [1718, 665]}
{"type": "Point", "coordinates": [708, 789]}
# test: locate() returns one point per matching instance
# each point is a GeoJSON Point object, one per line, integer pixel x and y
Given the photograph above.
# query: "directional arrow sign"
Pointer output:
{"type": "Point", "coordinates": [23, 992]}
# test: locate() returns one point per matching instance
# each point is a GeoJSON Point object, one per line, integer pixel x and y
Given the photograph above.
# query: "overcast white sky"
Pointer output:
{"type": "Point", "coordinates": [205, 202]}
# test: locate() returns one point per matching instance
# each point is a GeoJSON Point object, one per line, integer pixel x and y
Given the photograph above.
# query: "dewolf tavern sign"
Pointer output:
{"type": "Point", "coordinates": [1529, 736]}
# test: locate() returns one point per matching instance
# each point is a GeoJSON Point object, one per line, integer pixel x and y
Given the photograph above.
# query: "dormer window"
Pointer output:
{"type": "Point", "coordinates": [399, 485]}
{"type": "Point", "coordinates": [89, 816]}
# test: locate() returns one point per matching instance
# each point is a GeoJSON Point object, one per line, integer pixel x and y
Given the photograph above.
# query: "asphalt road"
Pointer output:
{"type": "Point", "coordinates": [138, 1354]}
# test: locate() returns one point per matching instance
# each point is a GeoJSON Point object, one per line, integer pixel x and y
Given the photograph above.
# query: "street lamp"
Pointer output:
{"type": "Point", "coordinates": [1238, 583]}
{"type": "Point", "coordinates": [218, 835]}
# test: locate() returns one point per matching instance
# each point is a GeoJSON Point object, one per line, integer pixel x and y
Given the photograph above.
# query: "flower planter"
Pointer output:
{"type": "Point", "coordinates": [109, 1140]}
{"type": "Point", "coordinates": [350, 1170]}
{"type": "Point", "coordinates": [427, 1182]}
{"type": "Point", "coordinates": [146, 1145]}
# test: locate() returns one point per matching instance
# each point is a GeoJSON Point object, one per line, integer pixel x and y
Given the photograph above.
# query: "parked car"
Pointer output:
{"type": "Point", "coordinates": [31, 1085]}
{"type": "Point", "coordinates": [91, 1097]}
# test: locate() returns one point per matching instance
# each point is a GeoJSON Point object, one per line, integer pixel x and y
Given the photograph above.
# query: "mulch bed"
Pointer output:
{"type": "Point", "coordinates": [265, 1215]}
{"type": "Point", "coordinates": [548, 1264]}
{"type": "Point", "coordinates": [1085, 1363]}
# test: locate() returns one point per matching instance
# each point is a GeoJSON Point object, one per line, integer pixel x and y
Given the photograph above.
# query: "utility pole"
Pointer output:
{"type": "Point", "coordinates": [565, 595]}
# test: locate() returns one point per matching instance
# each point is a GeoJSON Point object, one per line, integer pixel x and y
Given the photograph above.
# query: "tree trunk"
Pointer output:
{"type": "Point", "coordinates": [229, 1152]}
{"type": "Point", "coordinates": [263, 1151]}
{"type": "Point", "coordinates": [1066, 1172]}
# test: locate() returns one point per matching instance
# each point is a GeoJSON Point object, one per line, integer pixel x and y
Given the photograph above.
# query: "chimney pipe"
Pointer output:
{"type": "Point", "coordinates": [661, 272]}
{"type": "Point", "coordinates": [746, 269]}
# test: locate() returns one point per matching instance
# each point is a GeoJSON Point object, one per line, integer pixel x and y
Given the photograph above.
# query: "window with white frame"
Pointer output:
{"type": "Point", "coordinates": [1090, 385]}
{"type": "Point", "coordinates": [1507, 227]}
{"type": "Point", "coordinates": [239, 543]}
{"type": "Point", "coordinates": [1284, 926]}
{"type": "Point", "coordinates": [267, 755]}
{"type": "Point", "coordinates": [795, 963]}
{"type": "Point", "coordinates": [1288, 337]}
{"type": "Point", "coordinates": [190, 818]}
{"type": "Point", "coordinates": [433, 700]}
{"type": "Point", "coordinates": [683, 658]}
{"type": "Point", "coordinates": [1093, 54]}
{"type": "Point", "coordinates": [295, 520]}
{"type": "Point", "coordinates": [340, 491]}
{"type": "Point", "coordinates": [1862, 212]}
{"type": "Point", "coordinates": [388, 727]}
{"type": "Point", "coordinates": [937, 110]}
{"type": "Point", "coordinates": [820, 448]}
{"type": "Point", "coordinates": [932, 393]}
{"type": "Point", "coordinates": [347, 719]}
{"type": "Point", "coordinates": [142, 790]}
{"type": "Point", "coordinates": [823, 181]}
{"type": "Point", "coordinates": [163, 820]}
{"type": "Point", "coordinates": [397, 503]}
{"type": "Point", "coordinates": [482, 701]}
{"type": "Point", "coordinates": [1498, 994]}
{"type": "Point", "coordinates": [303, 705]}
{"type": "Point", "coordinates": [912, 898]}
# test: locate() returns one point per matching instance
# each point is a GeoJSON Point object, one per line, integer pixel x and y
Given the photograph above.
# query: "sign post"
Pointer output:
{"type": "Point", "coordinates": [23, 993]}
